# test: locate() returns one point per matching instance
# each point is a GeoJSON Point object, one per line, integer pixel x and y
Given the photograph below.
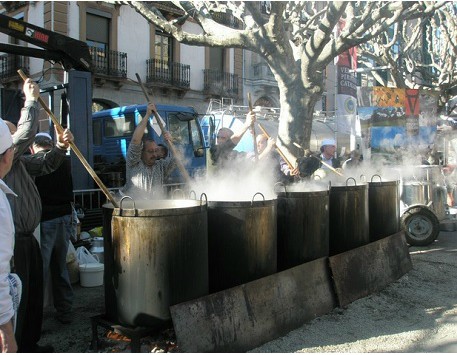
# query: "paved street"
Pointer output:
{"type": "Point", "coordinates": [418, 313]}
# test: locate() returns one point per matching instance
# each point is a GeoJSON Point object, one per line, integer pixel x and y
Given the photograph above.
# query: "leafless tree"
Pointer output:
{"type": "Point", "coordinates": [421, 54]}
{"type": "Point", "coordinates": [296, 39]}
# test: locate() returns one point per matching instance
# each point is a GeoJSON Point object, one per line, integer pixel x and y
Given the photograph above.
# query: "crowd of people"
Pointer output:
{"type": "Point", "coordinates": [36, 197]}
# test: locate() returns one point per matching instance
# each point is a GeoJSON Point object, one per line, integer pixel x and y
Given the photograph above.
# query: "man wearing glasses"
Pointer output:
{"type": "Point", "coordinates": [222, 153]}
{"type": "Point", "coordinates": [146, 166]}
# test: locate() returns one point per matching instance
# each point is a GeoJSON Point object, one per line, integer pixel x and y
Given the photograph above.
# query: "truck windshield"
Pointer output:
{"type": "Point", "coordinates": [119, 126]}
{"type": "Point", "coordinates": [184, 129]}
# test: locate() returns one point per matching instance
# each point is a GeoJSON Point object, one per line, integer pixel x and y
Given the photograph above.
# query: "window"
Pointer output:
{"type": "Point", "coordinates": [216, 59]}
{"type": "Point", "coordinates": [119, 126]}
{"type": "Point", "coordinates": [163, 47]}
{"type": "Point", "coordinates": [184, 129]}
{"type": "Point", "coordinates": [178, 129]}
{"type": "Point", "coordinates": [97, 38]}
{"type": "Point", "coordinates": [97, 32]}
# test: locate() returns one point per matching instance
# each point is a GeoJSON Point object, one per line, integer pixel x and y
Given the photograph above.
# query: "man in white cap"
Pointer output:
{"type": "Point", "coordinates": [8, 303]}
{"type": "Point", "coordinates": [328, 149]}
{"type": "Point", "coordinates": [309, 164]}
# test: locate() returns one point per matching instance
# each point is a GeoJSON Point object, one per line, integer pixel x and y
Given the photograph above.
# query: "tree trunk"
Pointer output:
{"type": "Point", "coordinates": [295, 121]}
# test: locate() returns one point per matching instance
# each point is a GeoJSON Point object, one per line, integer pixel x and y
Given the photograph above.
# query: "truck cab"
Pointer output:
{"type": "Point", "coordinates": [113, 129]}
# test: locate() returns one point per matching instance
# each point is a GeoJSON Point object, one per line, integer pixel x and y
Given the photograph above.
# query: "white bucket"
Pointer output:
{"type": "Point", "coordinates": [91, 275]}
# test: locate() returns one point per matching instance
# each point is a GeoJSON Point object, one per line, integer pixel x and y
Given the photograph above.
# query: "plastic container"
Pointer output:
{"type": "Point", "coordinates": [91, 275]}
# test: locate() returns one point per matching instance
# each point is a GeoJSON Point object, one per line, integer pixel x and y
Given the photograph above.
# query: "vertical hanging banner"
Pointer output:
{"type": "Point", "coordinates": [412, 115]}
{"type": "Point", "coordinates": [346, 96]}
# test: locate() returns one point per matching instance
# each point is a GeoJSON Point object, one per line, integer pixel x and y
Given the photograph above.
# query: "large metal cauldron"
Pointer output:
{"type": "Point", "coordinates": [109, 281]}
{"type": "Point", "coordinates": [160, 258]}
{"type": "Point", "coordinates": [241, 241]}
{"type": "Point", "coordinates": [425, 184]}
{"type": "Point", "coordinates": [303, 232]}
{"type": "Point", "coordinates": [415, 192]}
{"type": "Point", "coordinates": [384, 207]}
{"type": "Point", "coordinates": [348, 217]}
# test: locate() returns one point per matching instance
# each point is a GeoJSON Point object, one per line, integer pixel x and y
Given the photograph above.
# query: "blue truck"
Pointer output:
{"type": "Point", "coordinates": [112, 131]}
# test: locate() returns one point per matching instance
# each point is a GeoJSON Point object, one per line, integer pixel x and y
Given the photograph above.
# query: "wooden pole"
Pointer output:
{"type": "Point", "coordinates": [74, 147]}
{"type": "Point", "coordinates": [291, 167]}
{"type": "Point", "coordinates": [323, 162]}
{"type": "Point", "coordinates": [328, 166]}
{"type": "Point", "coordinates": [256, 152]}
{"type": "Point", "coordinates": [176, 154]}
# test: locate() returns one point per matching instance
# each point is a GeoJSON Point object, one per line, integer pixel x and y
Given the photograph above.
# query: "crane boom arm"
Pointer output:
{"type": "Point", "coordinates": [72, 53]}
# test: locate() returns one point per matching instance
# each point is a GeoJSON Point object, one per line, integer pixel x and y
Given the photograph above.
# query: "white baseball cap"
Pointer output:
{"type": "Point", "coordinates": [44, 135]}
{"type": "Point", "coordinates": [43, 139]}
{"type": "Point", "coordinates": [6, 140]}
{"type": "Point", "coordinates": [328, 141]}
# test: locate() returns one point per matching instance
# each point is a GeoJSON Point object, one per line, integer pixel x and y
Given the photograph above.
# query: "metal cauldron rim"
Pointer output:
{"type": "Point", "coordinates": [301, 194]}
{"type": "Point", "coordinates": [348, 187]}
{"type": "Point", "coordinates": [416, 183]}
{"type": "Point", "coordinates": [241, 204]}
{"type": "Point", "coordinates": [156, 208]}
{"type": "Point", "coordinates": [299, 191]}
{"type": "Point", "coordinates": [382, 183]}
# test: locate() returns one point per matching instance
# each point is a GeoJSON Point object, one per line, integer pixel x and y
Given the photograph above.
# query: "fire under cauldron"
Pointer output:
{"type": "Point", "coordinates": [303, 225]}
{"type": "Point", "coordinates": [158, 257]}
{"type": "Point", "coordinates": [241, 241]}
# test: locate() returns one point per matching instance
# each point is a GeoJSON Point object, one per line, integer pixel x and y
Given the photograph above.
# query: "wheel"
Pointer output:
{"type": "Point", "coordinates": [420, 224]}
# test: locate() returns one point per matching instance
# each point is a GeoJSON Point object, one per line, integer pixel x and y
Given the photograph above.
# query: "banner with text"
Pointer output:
{"type": "Point", "coordinates": [346, 96]}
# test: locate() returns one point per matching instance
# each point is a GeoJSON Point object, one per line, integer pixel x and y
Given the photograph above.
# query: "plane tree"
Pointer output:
{"type": "Point", "coordinates": [296, 39]}
{"type": "Point", "coordinates": [419, 54]}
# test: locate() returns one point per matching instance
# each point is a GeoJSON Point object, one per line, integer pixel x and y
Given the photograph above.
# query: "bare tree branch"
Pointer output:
{"type": "Point", "coordinates": [298, 41]}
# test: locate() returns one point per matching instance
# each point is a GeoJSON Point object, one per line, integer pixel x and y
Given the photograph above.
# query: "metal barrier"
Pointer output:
{"type": "Point", "coordinates": [89, 199]}
{"type": "Point", "coordinates": [91, 202]}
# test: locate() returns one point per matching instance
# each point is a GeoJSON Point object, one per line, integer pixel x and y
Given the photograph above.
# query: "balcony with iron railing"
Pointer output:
{"type": "Point", "coordinates": [167, 74]}
{"type": "Point", "coordinates": [109, 63]}
{"type": "Point", "coordinates": [220, 83]}
{"type": "Point", "coordinates": [10, 63]}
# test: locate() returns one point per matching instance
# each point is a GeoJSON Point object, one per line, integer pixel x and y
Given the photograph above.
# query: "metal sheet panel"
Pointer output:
{"type": "Point", "coordinates": [369, 268]}
{"type": "Point", "coordinates": [243, 317]}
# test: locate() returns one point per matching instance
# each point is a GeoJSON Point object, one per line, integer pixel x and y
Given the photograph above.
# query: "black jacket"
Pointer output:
{"type": "Point", "coordinates": [56, 191]}
{"type": "Point", "coordinates": [308, 165]}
